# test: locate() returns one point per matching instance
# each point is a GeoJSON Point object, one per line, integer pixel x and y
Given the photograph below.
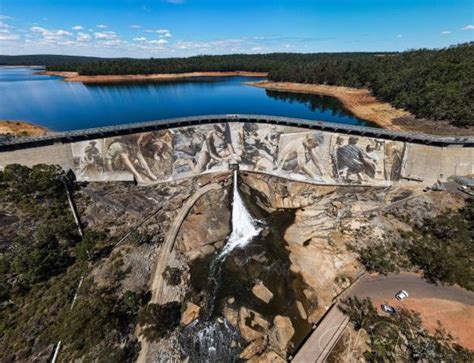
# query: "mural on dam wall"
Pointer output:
{"type": "Point", "coordinates": [394, 152]}
{"type": "Point", "coordinates": [357, 160]}
{"type": "Point", "coordinates": [260, 146]}
{"type": "Point", "coordinates": [147, 157]}
{"type": "Point", "coordinates": [208, 148]}
{"type": "Point", "coordinates": [305, 155]}
{"type": "Point", "coordinates": [289, 152]}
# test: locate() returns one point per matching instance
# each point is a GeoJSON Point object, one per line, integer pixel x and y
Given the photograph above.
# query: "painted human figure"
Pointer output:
{"type": "Point", "coordinates": [127, 154]}
{"type": "Point", "coordinates": [301, 157]}
{"type": "Point", "coordinates": [352, 160]}
{"type": "Point", "coordinates": [216, 148]}
{"type": "Point", "coordinates": [261, 145]}
{"type": "Point", "coordinates": [91, 161]}
{"type": "Point", "coordinates": [393, 161]}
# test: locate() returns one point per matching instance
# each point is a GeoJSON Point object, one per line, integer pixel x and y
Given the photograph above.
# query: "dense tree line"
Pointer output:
{"type": "Point", "coordinates": [432, 84]}
{"type": "Point", "coordinates": [46, 60]}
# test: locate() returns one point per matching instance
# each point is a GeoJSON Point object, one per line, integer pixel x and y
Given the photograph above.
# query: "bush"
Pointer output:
{"type": "Point", "coordinates": [401, 338]}
{"type": "Point", "coordinates": [158, 321]}
{"type": "Point", "coordinates": [378, 258]}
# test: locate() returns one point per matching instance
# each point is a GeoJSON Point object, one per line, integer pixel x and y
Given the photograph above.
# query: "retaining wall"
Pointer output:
{"type": "Point", "coordinates": [295, 149]}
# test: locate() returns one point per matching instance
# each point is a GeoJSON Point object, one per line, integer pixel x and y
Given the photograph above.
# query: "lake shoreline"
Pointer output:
{"type": "Point", "coordinates": [364, 105]}
{"type": "Point", "coordinates": [76, 77]}
{"type": "Point", "coordinates": [359, 101]}
{"type": "Point", "coordinates": [22, 128]}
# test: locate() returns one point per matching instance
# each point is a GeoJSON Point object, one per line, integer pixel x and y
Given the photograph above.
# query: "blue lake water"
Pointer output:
{"type": "Point", "coordinates": [62, 106]}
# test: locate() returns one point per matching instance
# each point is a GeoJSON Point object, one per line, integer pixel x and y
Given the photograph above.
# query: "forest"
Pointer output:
{"type": "Point", "coordinates": [434, 84]}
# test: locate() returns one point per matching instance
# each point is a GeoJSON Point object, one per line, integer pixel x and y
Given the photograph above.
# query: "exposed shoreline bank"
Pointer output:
{"type": "Point", "coordinates": [364, 105]}
{"type": "Point", "coordinates": [22, 128]}
{"type": "Point", "coordinates": [75, 77]}
{"type": "Point", "coordinates": [359, 101]}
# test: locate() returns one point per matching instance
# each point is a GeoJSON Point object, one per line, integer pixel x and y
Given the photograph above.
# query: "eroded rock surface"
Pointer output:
{"type": "Point", "coordinates": [262, 292]}
{"type": "Point", "coordinates": [190, 314]}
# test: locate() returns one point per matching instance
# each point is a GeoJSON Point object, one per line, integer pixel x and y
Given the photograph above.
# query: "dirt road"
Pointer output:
{"type": "Point", "coordinates": [165, 251]}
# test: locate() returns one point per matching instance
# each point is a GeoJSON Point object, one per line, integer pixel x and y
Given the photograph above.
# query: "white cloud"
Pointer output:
{"type": "Point", "coordinates": [4, 27]}
{"type": "Point", "coordinates": [139, 39]}
{"type": "Point", "coordinates": [5, 37]}
{"type": "Point", "coordinates": [175, 2]}
{"type": "Point", "coordinates": [105, 35]}
{"type": "Point", "coordinates": [38, 29]}
{"type": "Point", "coordinates": [134, 26]}
{"type": "Point", "coordinates": [399, 36]}
{"type": "Point", "coordinates": [164, 33]}
{"type": "Point", "coordinates": [445, 32]}
{"type": "Point", "coordinates": [158, 42]}
{"type": "Point", "coordinates": [101, 26]}
{"type": "Point", "coordinates": [77, 27]}
{"type": "Point", "coordinates": [51, 35]}
{"type": "Point", "coordinates": [112, 43]}
{"type": "Point", "coordinates": [468, 27]}
{"type": "Point", "coordinates": [5, 17]}
{"type": "Point", "coordinates": [62, 32]}
{"type": "Point", "coordinates": [83, 37]}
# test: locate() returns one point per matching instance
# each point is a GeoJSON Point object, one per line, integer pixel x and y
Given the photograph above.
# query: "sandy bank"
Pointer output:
{"type": "Point", "coordinates": [364, 105]}
{"type": "Point", "coordinates": [359, 101]}
{"type": "Point", "coordinates": [21, 128]}
{"type": "Point", "coordinates": [75, 77]}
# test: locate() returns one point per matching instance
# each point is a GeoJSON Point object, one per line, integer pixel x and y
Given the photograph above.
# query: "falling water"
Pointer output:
{"type": "Point", "coordinates": [244, 227]}
{"type": "Point", "coordinates": [208, 340]}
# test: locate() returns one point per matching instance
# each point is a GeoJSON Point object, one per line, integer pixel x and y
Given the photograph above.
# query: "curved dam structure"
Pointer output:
{"type": "Point", "coordinates": [311, 151]}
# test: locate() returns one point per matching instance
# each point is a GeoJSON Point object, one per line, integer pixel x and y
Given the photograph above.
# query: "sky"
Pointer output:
{"type": "Point", "coordinates": [171, 28]}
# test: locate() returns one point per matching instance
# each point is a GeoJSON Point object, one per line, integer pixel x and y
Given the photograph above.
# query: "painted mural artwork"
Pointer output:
{"type": "Point", "coordinates": [315, 156]}
{"type": "Point", "coordinates": [146, 156]}
{"type": "Point", "coordinates": [88, 160]}
{"type": "Point", "coordinates": [260, 144]}
{"type": "Point", "coordinates": [394, 151]}
{"type": "Point", "coordinates": [304, 156]}
{"type": "Point", "coordinates": [357, 160]}
{"type": "Point", "coordinates": [203, 149]}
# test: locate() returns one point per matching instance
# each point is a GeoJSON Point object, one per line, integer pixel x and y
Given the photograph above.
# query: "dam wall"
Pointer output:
{"type": "Point", "coordinates": [294, 149]}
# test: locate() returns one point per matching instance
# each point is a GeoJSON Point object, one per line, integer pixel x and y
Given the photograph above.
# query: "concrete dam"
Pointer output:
{"type": "Point", "coordinates": [303, 150]}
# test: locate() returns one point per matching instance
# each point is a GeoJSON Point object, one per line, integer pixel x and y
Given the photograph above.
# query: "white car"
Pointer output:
{"type": "Point", "coordinates": [401, 295]}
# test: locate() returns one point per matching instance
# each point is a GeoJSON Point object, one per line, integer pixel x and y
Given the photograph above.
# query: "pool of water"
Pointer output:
{"type": "Point", "coordinates": [63, 106]}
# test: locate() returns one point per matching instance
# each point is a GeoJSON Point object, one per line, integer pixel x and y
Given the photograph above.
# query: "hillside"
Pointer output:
{"type": "Point", "coordinates": [431, 84]}
{"type": "Point", "coordinates": [45, 60]}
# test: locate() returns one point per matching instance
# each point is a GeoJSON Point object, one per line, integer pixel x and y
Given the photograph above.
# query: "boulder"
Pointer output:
{"type": "Point", "coordinates": [255, 347]}
{"type": "Point", "coordinates": [231, 316]}
{"type": "Point", "coordinates": [281, 333]}
{"type": "Point", "coordinates": [268, 357]}
{"type": "Point", "coordinates": [262, 292]}
{"type": "Point", "coordinates": [247, 332]}
{"type": "Point", "coordinates": [301, 310]}
{"type": "Point", "coordinates": [190, 314]}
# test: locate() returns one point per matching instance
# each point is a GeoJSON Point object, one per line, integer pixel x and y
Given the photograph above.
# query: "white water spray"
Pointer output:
{"type": "Point", "coordinates": [243, 226]}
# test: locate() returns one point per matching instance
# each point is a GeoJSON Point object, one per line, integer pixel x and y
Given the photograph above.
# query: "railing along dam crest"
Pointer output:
{"type": "Point", "coordinates": [313, 151]}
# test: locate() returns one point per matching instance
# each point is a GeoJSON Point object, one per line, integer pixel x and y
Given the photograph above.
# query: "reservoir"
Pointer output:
{"type": "Point", "coordinates": [62, 106]}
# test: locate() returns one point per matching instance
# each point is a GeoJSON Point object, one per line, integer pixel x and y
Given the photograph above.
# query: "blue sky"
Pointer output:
{"type": "Point", "coordinates": [164, 28]}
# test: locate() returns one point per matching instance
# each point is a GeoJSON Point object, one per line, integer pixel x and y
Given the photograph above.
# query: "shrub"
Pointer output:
{"type": "Point", "coordinates": [158, 321]}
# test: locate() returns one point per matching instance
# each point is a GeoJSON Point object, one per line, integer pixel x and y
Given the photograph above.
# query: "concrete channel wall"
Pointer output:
{"type": "Point", "coordinates": [304, 150]}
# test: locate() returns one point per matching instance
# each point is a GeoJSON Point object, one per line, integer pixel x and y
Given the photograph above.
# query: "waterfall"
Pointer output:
{"type": "Point", "coordinates": [209, 340]}
{"type": "Point", "coordinates": [244, 227]}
